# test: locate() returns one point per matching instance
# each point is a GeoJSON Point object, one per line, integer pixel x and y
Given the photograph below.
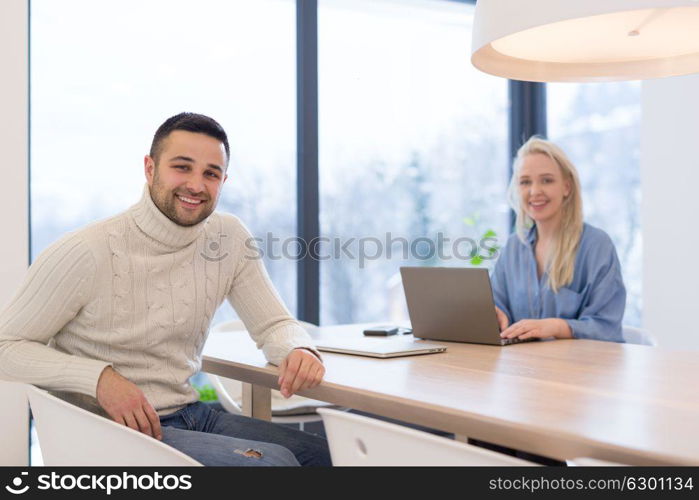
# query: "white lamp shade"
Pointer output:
{"type": "Point", "coordinates": [586, 40]}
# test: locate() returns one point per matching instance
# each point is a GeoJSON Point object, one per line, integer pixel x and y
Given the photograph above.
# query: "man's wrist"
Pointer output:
{"type": "Point", "coordinates": [106, 372]}
{"type": "Point", "coordinates": [105, 375]}
{"type": "Point", "coordinates": [311, 351]}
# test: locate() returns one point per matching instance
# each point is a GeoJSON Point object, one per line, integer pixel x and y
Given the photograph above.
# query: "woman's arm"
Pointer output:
{"type": "Point", "coordinates": [498, 281]}
{"type": "Point", "coordinates": [602, 309]}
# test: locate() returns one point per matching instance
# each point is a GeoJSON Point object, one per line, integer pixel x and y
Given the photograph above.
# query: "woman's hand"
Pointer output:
{"type": "Point", "coordinates": [538, 328]}
{"type": "Point", "coordinates": [503, 322]}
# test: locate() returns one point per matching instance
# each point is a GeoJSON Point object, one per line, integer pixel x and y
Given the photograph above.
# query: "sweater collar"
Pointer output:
{"type": "Point", "coordinates": [156, 225]}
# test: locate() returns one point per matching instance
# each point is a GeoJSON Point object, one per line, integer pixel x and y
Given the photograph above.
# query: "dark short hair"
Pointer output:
{"type": "Point", "coordinates": [190, 122]}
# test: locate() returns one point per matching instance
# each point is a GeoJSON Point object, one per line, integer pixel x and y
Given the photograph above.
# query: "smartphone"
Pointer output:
{"type": "Point", "coordinates": [381, 330]}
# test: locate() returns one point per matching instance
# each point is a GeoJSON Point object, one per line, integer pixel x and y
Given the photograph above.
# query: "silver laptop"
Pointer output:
{"type": "Point", "coordinates": [453, 304]}
{"type": "Point", "coordinates": [378, 347]}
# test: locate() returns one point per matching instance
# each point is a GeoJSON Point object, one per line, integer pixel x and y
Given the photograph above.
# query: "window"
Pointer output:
{"type": "Point", "coordinates": [105, 76]}
{"type": "Point", "coordinates": [413, 145]}
{"type": "Point", "coordinates": [598, 125]}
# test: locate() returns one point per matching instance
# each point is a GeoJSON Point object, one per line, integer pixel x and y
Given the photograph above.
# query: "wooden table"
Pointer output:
{"type": "Point", "coordinates": [565, 398]}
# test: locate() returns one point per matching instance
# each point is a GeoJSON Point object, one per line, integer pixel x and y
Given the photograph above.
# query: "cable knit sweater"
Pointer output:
{"type": "Point", "coordinates": [138, 292]}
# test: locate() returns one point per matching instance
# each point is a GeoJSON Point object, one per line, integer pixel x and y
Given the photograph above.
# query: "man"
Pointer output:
{"type": "Point", "coordinates": [114, 317]}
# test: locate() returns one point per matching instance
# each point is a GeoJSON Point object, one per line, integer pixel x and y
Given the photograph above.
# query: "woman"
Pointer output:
{"type": "Point", "coordinates": [557, 277]}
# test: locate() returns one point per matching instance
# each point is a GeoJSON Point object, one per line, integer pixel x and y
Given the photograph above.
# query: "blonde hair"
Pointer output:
{"type": "Point", "coordinates": [560, 261]}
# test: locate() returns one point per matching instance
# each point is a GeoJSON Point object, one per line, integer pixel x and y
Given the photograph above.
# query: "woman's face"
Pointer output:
{"type": "Point", "coordinates": [542, 188]}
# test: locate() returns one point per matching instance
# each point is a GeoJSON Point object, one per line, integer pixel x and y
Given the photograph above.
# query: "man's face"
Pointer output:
{"type": "Point", "coordinates": [186, 182]}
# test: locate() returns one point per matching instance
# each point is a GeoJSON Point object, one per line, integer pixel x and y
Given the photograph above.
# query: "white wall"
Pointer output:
{"type": "Point", "coordinates": [670, 209]}
{"type": "Point", "coordinates": [14, 418]}
{"type": "Point", "coordinates": [14, 144]}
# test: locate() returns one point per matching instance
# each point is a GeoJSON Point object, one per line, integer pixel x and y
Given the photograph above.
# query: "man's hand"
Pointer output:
{"type": "Point", "coordinates": [503, 322]}
{"type": "Point", "coordinates": [539, 328]}
{"type": "Point", "coordinates": [301, 369]}
{"type": "Point", "coordinates": [126, 403]}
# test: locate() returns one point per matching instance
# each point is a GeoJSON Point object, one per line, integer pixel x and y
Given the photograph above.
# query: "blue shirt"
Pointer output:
{"type": "Point", "coordinates": [593, 304]}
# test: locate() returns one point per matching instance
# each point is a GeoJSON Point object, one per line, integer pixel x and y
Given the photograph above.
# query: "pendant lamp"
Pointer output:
{"type": "Point", "coordinates": [586, 40]}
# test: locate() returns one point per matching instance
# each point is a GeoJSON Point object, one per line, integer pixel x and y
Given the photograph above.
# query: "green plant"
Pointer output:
{"type": "Point", "coordinates": [474, 221]}
{"type": "Point", "coordinates": [206, 393]}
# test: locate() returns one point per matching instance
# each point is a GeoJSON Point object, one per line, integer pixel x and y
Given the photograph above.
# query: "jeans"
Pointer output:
{"type": "Point", "coordinates": [216, 437]}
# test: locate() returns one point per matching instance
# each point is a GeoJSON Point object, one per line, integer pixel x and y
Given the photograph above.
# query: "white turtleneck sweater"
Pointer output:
{"type": "Point", "coordinates": [138, 292]}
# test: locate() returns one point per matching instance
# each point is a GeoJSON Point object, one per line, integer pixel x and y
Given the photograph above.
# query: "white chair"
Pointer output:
{"type": "Point", "coordinates": [358, 440]}
{"type": "Point", "coordinates": [71, 436]}
{"type": "Point", "coordinates": [633, 335]}
{"type": "Point", "coordinates": [591, 462]}
{"type": "Point", "coordinates": [295, 410]}
{"type": "Point", "coordinates": [14, 425]}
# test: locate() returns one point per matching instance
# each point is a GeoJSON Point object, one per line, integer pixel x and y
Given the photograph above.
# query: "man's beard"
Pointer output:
{"type": "Point", "coordinates": [166, 201]}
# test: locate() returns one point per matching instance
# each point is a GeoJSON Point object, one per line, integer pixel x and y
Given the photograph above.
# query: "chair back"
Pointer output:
{"type": "Point", "coordinates": [72, 436]}
{"type": "Point", "coordinates": [358, 440]}
{"type": "Point", "coordinates": [591, 462]}
{"type": "Point", "coordinates": [229, 392]}
{"type": "Point", "coordinates": [237, 325]}
{"type": "Point", "coordinates": [633, 335]}
{"type": "Point", "coordinates": [229, 326]}
{"type": "Point", "coordinates": [14, 424]}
